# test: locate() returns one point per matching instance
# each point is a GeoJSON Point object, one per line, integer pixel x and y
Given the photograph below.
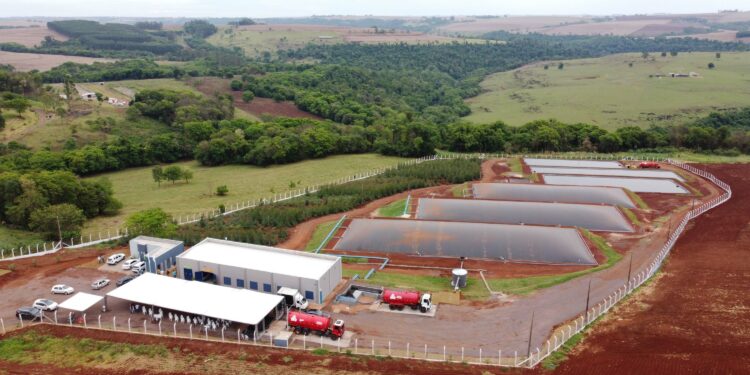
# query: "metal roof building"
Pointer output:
{"type": "Point", "coordinates": [261, 268]}
{"type": "Point", "coordinates": [193, 297]}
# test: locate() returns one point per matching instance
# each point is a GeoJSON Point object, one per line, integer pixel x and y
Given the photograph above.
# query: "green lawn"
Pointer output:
{"type": "Point", "coordinates": [137, 191]}
{"type": "Point", "coordinates": [320, 234]}
{"type": "Point", "coordinates": [13, 238]}
{"type": "Point", "coordinates": [607, 92]}
{"type": "Point", "coordinates": [394, 209]}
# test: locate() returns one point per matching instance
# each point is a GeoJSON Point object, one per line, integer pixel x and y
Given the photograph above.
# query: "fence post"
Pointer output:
{"type": "Point", "coordinates": [462, 354]}
{"type": "Point", "coordinates": [174, 329]}
{"type": "Point", "coordinates": [425, 351]}
{"type": "Point", "coordinates": [128, 324]}
{"type": "Point", "coordinates": [55, 316]}
{"type": "Point", "coordinates": [444, 357]}
{"type": "Point", "coordinates": [373, 346]}
{"type": "Point", "coordinates": [238, 335]}
{"type": "Point", "coordinates": [84, 321]}
{"type": "Point", "coordinates": [145, 329]}
{"type": "Point", "coordinates": [480, 355]}
{"type": "Point", "coordinates": [159, 327]}
{"type": "Point", "coordinates": [2, 324]}
{"type": "Point", "coordinates": [408, 355]}
{"type": "Point", "coordinates": [114, 323]}
{"type": "Point", "coordinates": [206, 333]}
{"type": "Point", "coordinates": [191, 331]}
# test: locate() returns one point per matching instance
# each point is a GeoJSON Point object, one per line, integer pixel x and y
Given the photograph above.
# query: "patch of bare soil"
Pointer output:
{"type": "Point", "coordinates": [694, 319]}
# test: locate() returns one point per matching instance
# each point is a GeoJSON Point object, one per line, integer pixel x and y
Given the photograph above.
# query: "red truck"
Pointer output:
{"type": "Point", "coordinates": [305, 323]}
{"type": "Point", "coordinates": [397, 300]}
{"type": "Point", "coordinates": [649, 165]}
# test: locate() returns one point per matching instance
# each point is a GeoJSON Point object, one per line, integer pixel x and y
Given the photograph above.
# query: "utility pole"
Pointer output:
{"type": "Point", "coordinates": [59, 231]}
{"type": "Point", "coordinates": [531, 330]}
{"type": "Point", "coordinates": [588, 298]}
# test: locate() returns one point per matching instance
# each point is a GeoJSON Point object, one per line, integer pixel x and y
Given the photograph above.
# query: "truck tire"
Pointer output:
{"type": "Point", "coordinates": [414, 307]}
{"type": "Point", "coordinates": [422, 309]}
{"type": "Point", "coordinates": [391, 307]}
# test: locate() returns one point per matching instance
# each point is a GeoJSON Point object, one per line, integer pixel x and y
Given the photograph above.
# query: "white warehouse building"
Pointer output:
{"type": "Point", "coordinates": [261, 268]}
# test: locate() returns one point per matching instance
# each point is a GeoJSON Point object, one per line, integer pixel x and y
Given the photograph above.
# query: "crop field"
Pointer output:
{"type": "Point", "coordinates": [607, 92]}
{"type": "Point", "coordinates": [137, 191]}
{"type": "Point", "coordinates": [27, 33]}
{"type": "Point", "coordinates": [25, 62]}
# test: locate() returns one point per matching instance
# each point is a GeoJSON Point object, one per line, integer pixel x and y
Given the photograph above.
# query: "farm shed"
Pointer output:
{"type": "Point", "coordinates": [192, 297]}
{"type": "Point", "coordinates": [158, 253]}
{"type": "Point", "coordinates": [260, 268]}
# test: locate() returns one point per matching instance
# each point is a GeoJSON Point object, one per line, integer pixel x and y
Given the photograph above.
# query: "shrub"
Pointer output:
{"type": "Point", "coordinates": [222, 190]}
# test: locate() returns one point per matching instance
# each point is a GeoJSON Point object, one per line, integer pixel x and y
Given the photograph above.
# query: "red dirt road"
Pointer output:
{"type": "Point", "coordinates": [695, 318]}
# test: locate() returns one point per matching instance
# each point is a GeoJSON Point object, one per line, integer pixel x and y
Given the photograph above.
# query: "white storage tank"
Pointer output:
{"type": "Point", "coordinates": [458, 277]}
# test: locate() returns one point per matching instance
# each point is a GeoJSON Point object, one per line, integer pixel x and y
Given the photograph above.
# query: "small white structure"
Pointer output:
{"type": "Point", "coordinates": [262, 268]}
{"type": "Point", "coordinates": [80, 302]}
{"type": "Point", "coordinates": [158, 253]}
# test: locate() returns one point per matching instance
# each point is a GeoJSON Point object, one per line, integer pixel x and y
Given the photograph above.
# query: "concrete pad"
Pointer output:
{"type": "Point", "coordinates": [379, 306]}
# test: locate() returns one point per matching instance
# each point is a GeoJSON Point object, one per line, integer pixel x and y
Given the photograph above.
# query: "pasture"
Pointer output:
{"type": "Point", "coordinates": [137, 191]}
{"type": "Point", "coordinates": [608, 92]}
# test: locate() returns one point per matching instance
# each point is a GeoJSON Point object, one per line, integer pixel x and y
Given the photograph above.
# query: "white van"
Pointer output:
{"type": "Point", "coordinates": [115, 258]}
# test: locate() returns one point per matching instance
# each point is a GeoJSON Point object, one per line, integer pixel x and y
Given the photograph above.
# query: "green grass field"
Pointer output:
{"type": "Point", "coordinates": [607, 92]}
{"type": "Point", "coordinates": [394, 209]}
{"type": "Point", "coordinates": [13, 238]}
{"type": "Point", "coordinates": [320, 234]}
{"type": "Point", "coordinates": [137, 191]}
{"type": "Point", "coordinates": [254, 41]}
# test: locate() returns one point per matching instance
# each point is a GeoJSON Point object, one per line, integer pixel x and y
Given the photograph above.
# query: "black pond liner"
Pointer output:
{"type": "Point", "coordinates": [614, 172]}
{"type": "Point", "coordinates": [592, 217]}
{"type": "Point", "coordinates": [572, 163]}
{"type": "Point", "coordinates": [511, 243]}
{"type": "Point", "coordinates": [637, 185]}
{"type": "Point", "coordinates": [553, 193]}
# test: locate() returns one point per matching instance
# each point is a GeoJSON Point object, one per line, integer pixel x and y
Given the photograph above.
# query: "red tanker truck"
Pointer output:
{"type": "Point", "coordinates": [397, 300]}
{"type": "Point", "coordinates": [305, 323]}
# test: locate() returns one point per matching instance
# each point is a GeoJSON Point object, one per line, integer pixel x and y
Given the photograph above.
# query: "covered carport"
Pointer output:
{"type": "Point", "coordinates": [78, 304]}
{"type": "Point", "coordinates": [183, 297]}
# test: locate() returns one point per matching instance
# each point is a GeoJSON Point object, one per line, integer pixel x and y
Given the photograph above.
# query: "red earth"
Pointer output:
{"type": "Point", "coordinates": [258, 106]}
{"type": "Point", "coordinates": [695, 318]}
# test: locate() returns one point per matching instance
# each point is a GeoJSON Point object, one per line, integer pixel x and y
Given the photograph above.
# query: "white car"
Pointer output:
{"type": "Point", "coordinates": [115, 258]}
{"type": "Point", "coordinates": [62, 289]}
{"type": "Point", "coordinates": [45, 304]}
{"type": "Point", "coordinates": [98, 284]}
{"type": "Point", "coordinates": [129, 263]}
{"type": "Point", "coordinates": [138, 268]}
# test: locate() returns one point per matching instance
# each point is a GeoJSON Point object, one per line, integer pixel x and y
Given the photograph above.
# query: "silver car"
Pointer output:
{"type": "Point", "coordinates": [98, 284]}
{"type": "Point", "coordinates": [45, 304]}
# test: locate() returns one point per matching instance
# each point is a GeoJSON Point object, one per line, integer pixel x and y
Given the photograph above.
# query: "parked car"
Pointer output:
{"type": "Point", "coordinates": [98, 284]}
{"type": "Point", "coordinates": [62, 289]}
{"type": "Point", "coordinates": [138, 268]}
{"type": "Point", "coordinates": [125, 279]}
{"type": "Point", "coordinates": [115, 258]}
{"type": "Point", "coordinates": [28, 313]}
{"type": "Point", "coordinates": [129, 263]}
{"type": "Point", "coordinates": [45, 304]}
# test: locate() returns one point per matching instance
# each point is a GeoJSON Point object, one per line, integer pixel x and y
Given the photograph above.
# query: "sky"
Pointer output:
{"type": "Point", "coordinates": [302, 8]}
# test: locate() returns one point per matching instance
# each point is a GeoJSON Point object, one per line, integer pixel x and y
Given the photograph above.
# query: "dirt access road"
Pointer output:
{"type": "Point", "coordinates": [695, 319]}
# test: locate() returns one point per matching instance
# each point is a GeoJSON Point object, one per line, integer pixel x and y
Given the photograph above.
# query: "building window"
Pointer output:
{"type": "Point", "coordinates": [227, 280]}
{"type": "Point", "coordinates": [188, 273]}
{"type": "Point", "coordinates": [240, 283]}
{"type": "Point", "coordinates": [253, 285]}
{"type": "Point", "coordinates": [310, 295]}
{"type": "Point", "coordinates": [267, 288]}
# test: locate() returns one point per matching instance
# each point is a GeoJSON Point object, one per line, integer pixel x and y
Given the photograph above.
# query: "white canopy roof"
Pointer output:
{"type": "Point", "coordinates": [81, 302]}
{"type": "Point", "coordinates": [195, 297]}
{"type": "Point", "coordinates": [261, 258]}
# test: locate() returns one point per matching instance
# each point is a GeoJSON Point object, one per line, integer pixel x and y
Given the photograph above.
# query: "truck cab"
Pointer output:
{"type": "Point", "coordinates": [293, 298]}
{"type": "Point", "coordinates": [337, 330]}
{"type": "Point", "coordinates": [426, 303]}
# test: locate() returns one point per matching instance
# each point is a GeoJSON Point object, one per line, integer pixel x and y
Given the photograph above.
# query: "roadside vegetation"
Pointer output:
{"type": "Point", "coordinates": [321, 231]}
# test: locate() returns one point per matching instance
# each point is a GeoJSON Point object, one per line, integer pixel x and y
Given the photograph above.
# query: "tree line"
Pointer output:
{"type": "Point", "coordinates": [53, 202]}
{"type": "Point", "coordinates": [269, 224]}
